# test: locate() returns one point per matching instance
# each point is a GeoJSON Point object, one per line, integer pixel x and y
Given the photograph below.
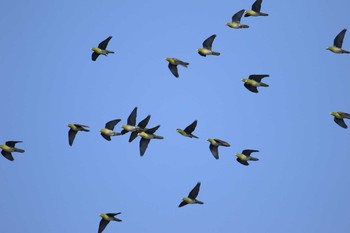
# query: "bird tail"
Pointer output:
{"type": "Point", "coordinates": [108, 51]}
{"type": "Point", "coordinates": [18, 150]}
{"type": "Point", "coordinates": [185, 64]}
{"type": "Point", "coordinates": [243, 26]}
{"type": "Point", "coordinates": [215, 53]}
{"type": "Point", "coordinates": [263, 14]}
{"type": "Point", "coordinates": [158, 137]}
{"type": "Point", "coordinates": [253, 158]}
{"type": "Point", "coordinates": [86, 130]}
{"type": "Point", "coordinates": [263, 85]}
{"type": "Point", "coordinates": [116, 134]}
{"type": "Point", "coordinates": [345, 51]}
{"type": "Point", "coordinates": [199, 202]}
{"type": "Point", "coordinates": [194, 136]}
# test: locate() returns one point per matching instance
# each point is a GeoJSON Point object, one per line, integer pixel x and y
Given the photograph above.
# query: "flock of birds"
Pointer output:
{"type": "Point", "coordinates": [147, 134]}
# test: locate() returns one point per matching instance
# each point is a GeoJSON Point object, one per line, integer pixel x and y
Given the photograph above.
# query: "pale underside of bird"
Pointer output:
{"type": "Point", "coordinates": [108, 130]}
{"type": "Point", "coordinates": [338, 43]}
{"type": "Point", "coordinates": [132, 127]}
{"type": "Point", "coordinates": [146, 137]}
{"type": "Point", "coordinates": [236, 21]}
{"type": "Point", "coordinates": [245, 156]}
{"type": "Point", "coordinates": [101, 49]}
{"type": "Point", "coordinates": [207, 47]}
{"type": "Point", "coordinates": [254, 81]}
{"type": "Point", "coordinates": [191, 198]}
{"type": "Point", "coordinates": [74, 128]}
{"type": "Point", "coordinates": [187, 132]}
{"type": "Point", "coordinates": [106, 218]}
{"type": "Point", "coordinates": [173, 64]}
{"type": "Point", "coordinates": [214, 144]}
{"type": "Point", "coordinates": [256, 10]}
{"type": "Point", "coordinates": [339, 118]}
{"type": "Point", "coordinates": [8, 148]}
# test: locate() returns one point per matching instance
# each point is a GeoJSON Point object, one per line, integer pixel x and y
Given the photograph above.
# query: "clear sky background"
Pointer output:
{"type": "Point", "coordinates": [301, 182]}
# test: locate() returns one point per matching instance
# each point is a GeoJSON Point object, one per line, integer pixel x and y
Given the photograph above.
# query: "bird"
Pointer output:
{"type": "Point", "coordinates": [338, 43]}
{"type": "Point", "coordinates": [244, 157]}
{"type": "Point", "coordinates": [106, 218]}
{"type": "Point", "coordinates": [191, 199]}
{"type": "Point", "coordinates": [214, 144]}
{"type": "Point", "coordinates": [107, 131]}
{"type": "Point", "coordinates": [255, 11]}
{"type": "Point", "coordinates": [187, 132]}
{"type": "Point", "coordinates": [8, 148]}
{"type": "Point", "coordinates": [173, 63]}
{"type": "Point", "coordinates": [236, 21]}
{"type": "Point", "coordinates": [132, 127]}
{"type": "Point", "coordinates": [254, 81]}
{"type": "Point", "coordinates": [339, 118]}
{"type": "Point", "coordinates": [146, 137]}
{"type": "Point", "coordinates": [74, 128]}
{"type": "Point", "coordinates": [101, 49]}
{"type": "Point", "coordinates": [207, 47]}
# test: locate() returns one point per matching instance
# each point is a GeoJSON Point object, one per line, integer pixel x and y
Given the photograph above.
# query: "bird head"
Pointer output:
{"type": "Point", "coordinates": [168, 59]}
{"type": "Point", "coordinates": [333, 113]}
{"type": "Point", "coordinates": [70, 125]}
{"type": "Point", "coordinates": [178, 130]}
{"type": "Point", "coordinates": [244, 79]}
{"type": "Point", "coordinates": [237, 155]}
{"type": "Point", "coordinates": [94, 49]}
{"type": "Point", "coordinates": [2, 146]}
{"type": "Point", "coordinates": [328, 48]}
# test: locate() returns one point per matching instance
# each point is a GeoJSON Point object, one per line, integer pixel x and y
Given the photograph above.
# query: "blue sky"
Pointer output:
{"type": "Point", "coordinates": [301, 182]}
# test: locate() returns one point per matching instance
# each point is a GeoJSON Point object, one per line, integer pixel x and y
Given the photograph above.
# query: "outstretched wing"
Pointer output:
{"type": "Point", "coordinates": [132, 117]}
{"type": "Point", "coordinates": [110, 124]}
{"type": "Point", "coordinates": [338, 40]}
{"type": "Point", "coordinates": [143, 145]}
{"type": "Point", "coordinates": [194, 192]}
{"type": "Point", "coordinates": [152, 130]}
{"type": "Point", "coordinates": [71, 136]}
{"type": "Point", "coordinates": [257, 6]}
{"type": "Point", "coordinates": [103, 44]}
{"type": "Point", "coordinates": [102, 226]}
{"type": "Point", "coordinates": [209, 42]}
{"type": "Point", "coordinates": [12, 143]}
{"type": "Point", "coordinates": [340, 122]}
{"type": "Point", "coordinates": [248, 152]}
{"type": "Point", "coordinates": [237, 17]}
{"type": "Point", "coordinates": [173, 69]}
{"type": "Point", "coordinates": [189, 129]}
{"type": "Point", "coordinates": [258, 77]}
{"type": "Point", "coordinates": [214, 151]}
{"type": "Point", "coordinates": [94, 56]}
{"type": "Point", "coordinates": [7, 155]}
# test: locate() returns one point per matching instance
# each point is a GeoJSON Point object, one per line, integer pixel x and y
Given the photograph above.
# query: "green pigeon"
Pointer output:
{"type": "Point", "coordinates": [8, 148]}
{"type": "Point", "coordinates": [74, 128]}
{"type": "Point", "coordinates": [173, 63]}
{"type": "Point", "coordinates": [101, 49]}
{"type": "Point", "coordinates": [107, 131]}
{"type": "Point", "coordinates": [191, 199]}
{"type": "Point", "coordinates": [255, 11]}
{"type": "Point", "coordinates": [236, 21]}
{"type": "Point", "coordinates": [339, 118]}
{"type": "Point", "coordinates": [146, 137]}
{"type": "Point", "coordinates": [338, 43]}
{"type": "Point", "coordinates": [132, 127]}
{"type": "Point", "coordinates": [106, 218]}
{"type": "Point", "coordinates": [214, 144]}
{"type": "Point", "coordinates": [254, 81]}
{"type": "Point", "coordinates": [244, 157]}
{"type": "Point", "coordinates": [207, 47]}
{"type": "Point", "coordinates": [187, 132]}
